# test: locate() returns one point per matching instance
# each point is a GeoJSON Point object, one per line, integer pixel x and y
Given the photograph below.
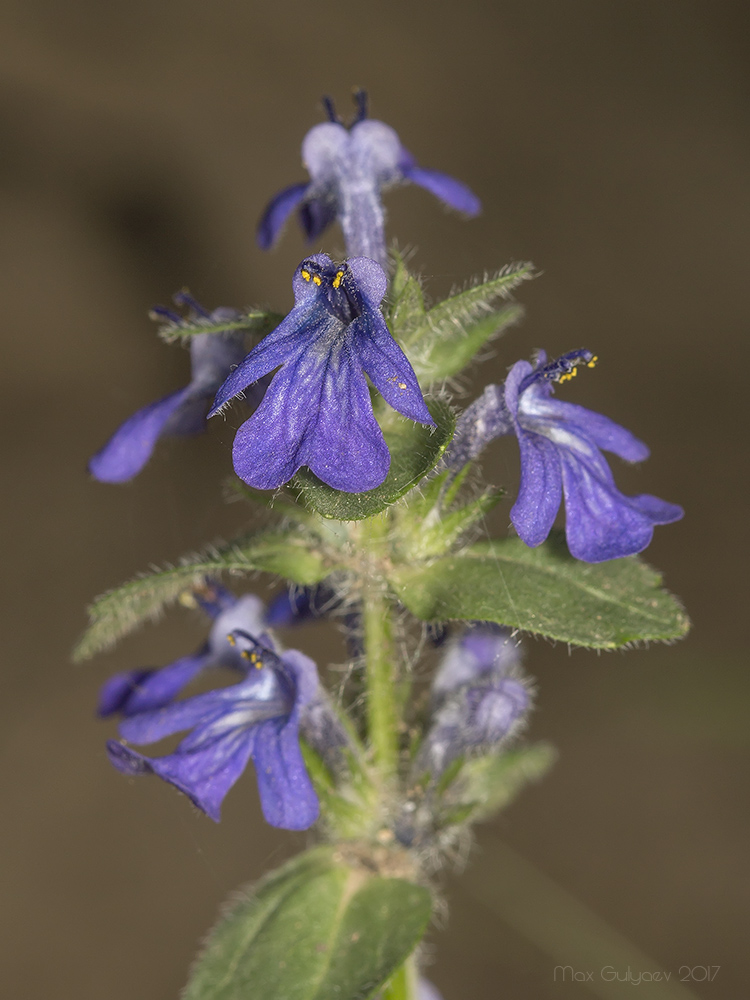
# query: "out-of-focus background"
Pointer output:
{"type": "Point", "coordinates": [138, 144]}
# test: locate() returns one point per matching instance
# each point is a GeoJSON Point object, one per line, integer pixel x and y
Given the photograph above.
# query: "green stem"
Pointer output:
{"type": "Point", "coordinates": [382, 696]}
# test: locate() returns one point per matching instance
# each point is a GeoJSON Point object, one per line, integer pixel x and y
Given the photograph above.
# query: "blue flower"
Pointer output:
{"type": "Point", "coordinates": [143, 690]}
{"type": "Point", "coordinates": [317, 409]}
{"type": "Point", "coordinates": [349, 167]}
{"type": "Point", "coordinates": [257, 718]}
{"type": "Point", "coordinates": [560, 457]}
{"type": "Point", "coordinates": [480, 699]}
{"type": "Point", "coordinates": [212, 356]}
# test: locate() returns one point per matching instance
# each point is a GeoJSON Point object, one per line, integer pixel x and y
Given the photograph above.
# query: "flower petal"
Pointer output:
{"type": "Point", "coordinates": [273, 350]}
{"type": "Point", "coordinates": [258, 697]}
{"type": "Point", "coordinates": [246, 613]}
{"type": "Point", "coordinates": [389, 368]}
{"type": "Point", "coordinates": [277, 212]}
{"type": "Point", "coordinates": [145, 690]}
{"type": "Point", "coordinates": [205, 775]}
{"type": "Point", "coordinates": [601, 522]}
{"type": "Point", "coordinates": [287, 796]}
{"type": "Point", "coordinates": [130, 447]}
{"type": "Point", "coordinates": [327, 425]}
{"type": "Point", "coordinates": [600, 430]}
{"type": "Point", "coordinates": [540, 490]}
{"type": "Point", "coordinates": [315, 216]}
{"type": "Point", "coordinates": [450, 191]}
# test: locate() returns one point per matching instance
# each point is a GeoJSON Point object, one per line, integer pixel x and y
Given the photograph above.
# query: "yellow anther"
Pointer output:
{"type": "Point", "coordinates": [231, 640]}
{"type": "Point", "coordinates": [305, 275]}
{"type": "Point", "coordinates": [402, 385]}
{"type": "Point", "coordinates": [337, 279]}
{"type": "Point", "coordinates": [592, 363]}
{"type": "Point", "coordinates": [245, 654]}
{"type": "Point", "coordinates": [256, 661]}
{"type": "Point", "coordinates": [316, 279]}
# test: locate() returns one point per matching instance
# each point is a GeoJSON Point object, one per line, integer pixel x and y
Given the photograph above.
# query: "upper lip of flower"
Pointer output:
{"type": "Point", "coordinates": [349, 165]}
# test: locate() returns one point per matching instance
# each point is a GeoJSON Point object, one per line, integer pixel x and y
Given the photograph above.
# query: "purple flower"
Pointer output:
{"type": "Point", "coordinates": [144, 690]}
{"type": "Point", "coordinates": [482, 648]}
{"type": "Point", "coordinates": [212, 356]}
{"type": "Point", "coordinates": [479, 696]}
{"type": "Point", "coordinates": [257, 718]}
{"type": "Point", "coordinates": [349, 167]}
{"type": "Point", "coordinates": [560, 457]}
{"type": "Point", "coordinates": [317, 409]}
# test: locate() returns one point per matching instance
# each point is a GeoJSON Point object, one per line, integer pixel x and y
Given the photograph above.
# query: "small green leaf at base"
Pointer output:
{"type": "Point", "coordinates": [315, 930]}
{"type": "Point", "coordinates": [415, 450]}
{"type": "Point", "coordinates": [544, 591]}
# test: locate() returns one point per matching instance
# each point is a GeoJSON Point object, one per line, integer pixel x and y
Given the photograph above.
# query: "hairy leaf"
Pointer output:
{"type": "Point", "coordinates": [446, 356]}
{"type": "Point", "coordinates": [316, 929]}
{"type": "Point", "coordinates": [253, 321]}
{"type": "Point", "coordinates": [544, 591]}
{"type": "Point", "coordinates": [415, 450]}
{"type": "Point", "coordinates": [484, 785]}
{"type": "Point", "coordinates": [123, 609]}
{"type": "Point", "coordinates": [441, 341]}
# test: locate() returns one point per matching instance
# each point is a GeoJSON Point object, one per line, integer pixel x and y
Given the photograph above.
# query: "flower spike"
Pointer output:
{"type": "Point", "coordinates": [317, 410]}
{"type": "Point", "coordinates": [349, 167]}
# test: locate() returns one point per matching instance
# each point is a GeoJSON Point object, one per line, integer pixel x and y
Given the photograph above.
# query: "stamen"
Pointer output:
{"type": "Point", "coordinates": [360, 100]}
{"type": "Point", "coordinates": [337, 279]}
{"type": "Point", "coordinates": [565, 368]}
{"type": "Point", "coordinates": [161, 312]}
{"type": "Point", "coordinates": [316, 279]}
{"type": "Point", "coordinates": [305, 275]}
{"type": "Point", "coordinates": [184, 298]}
{"type": "Point", "coordinates": [330, 109]}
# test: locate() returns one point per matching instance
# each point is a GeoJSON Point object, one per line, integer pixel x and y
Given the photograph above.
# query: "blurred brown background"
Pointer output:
{"type": "Point", "coordinates": [139, 142]}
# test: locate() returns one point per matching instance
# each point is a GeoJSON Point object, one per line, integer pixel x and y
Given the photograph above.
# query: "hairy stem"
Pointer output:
{"type": "Point", "coordinates": [382, 698]}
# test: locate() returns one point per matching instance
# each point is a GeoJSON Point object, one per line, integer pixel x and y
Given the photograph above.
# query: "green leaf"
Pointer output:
{"type": "Point", "coordinates": [544, 591]}
{"type": "Point", "coordinates": [449, 320]}
{"type": "Point", "coordinates": [473, 302]}
{"type": "Point", "coordinates": [415, 450]}
{"type": "Point", "coordinates": [407, 311]}
{"type": "Point", "coordinates": [484, 785]}
{"type": "Point", "coordinates": [119, 611]}
{"type": "Point", "coordinates": [317, 929]}
{"type": "Point", "coordinates": [253, 321]}
{"type": "Point", "coordinates": [446, 356]}
{"type": "Point", "coordinates": [441, 341]}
